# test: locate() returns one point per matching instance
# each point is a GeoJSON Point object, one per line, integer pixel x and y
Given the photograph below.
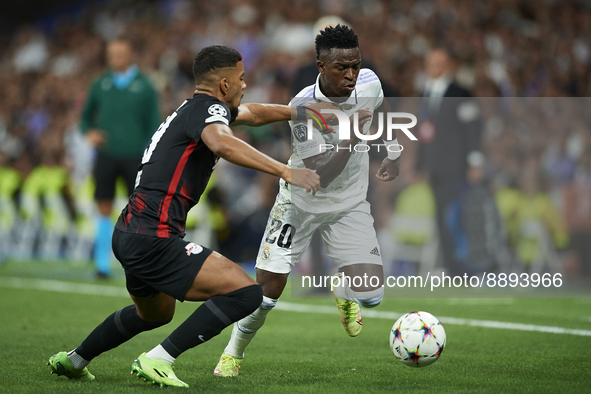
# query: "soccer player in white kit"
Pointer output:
{"type": "Point", "coordinates": [339, 210]}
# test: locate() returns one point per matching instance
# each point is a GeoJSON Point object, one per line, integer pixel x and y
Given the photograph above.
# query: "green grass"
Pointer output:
{"type": "Point", "coordinates": [299, 352]}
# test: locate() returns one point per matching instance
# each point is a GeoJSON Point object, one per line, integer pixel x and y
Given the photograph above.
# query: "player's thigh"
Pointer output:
{"type": "Point", "coordinates": [157, 309]}
{"type": "Point", "coordinates": [351, 239]}
{"type": "Point", "coordinates": [217, 276]}
{"type": "Point", "coordinates": [158, 265]}
{"type": "Point", "coordinates": [287, 236]}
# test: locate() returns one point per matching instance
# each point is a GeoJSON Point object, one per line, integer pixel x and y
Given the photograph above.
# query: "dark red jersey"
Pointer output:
{"type": "Point", "coordinates": [175, 169]}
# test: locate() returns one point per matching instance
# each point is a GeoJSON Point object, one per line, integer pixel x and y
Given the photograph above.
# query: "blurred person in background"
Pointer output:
{"type": "Point", "coordinates": [576, 210]}
{"type": "Point", "coordinates": [120, 114]}
{"type": "Point", "coordinates": [449, 134]}
{"type": "Point", "coordinates": [540, 229]}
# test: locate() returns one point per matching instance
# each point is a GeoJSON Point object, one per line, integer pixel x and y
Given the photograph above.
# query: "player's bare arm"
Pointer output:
{"type": "Point", "coordinates": [222, 142]}
{"type": "Point", "coordinates": [254, 114]}
{"type": "Point", "coordinates": [389, 169]}
{"type": "Point", "coordinates": [329, 166]}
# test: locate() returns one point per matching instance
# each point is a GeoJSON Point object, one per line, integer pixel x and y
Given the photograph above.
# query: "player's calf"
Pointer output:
{"type": "Point", "coordinates": [212, 317]}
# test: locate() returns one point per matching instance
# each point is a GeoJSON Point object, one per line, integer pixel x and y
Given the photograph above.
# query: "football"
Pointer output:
{"type": "Point", "coordinates": [417, 339]}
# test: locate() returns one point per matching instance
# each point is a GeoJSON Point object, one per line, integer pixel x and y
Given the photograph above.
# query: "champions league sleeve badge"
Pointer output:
{"type": "Point", "coordinates": [300, 131]}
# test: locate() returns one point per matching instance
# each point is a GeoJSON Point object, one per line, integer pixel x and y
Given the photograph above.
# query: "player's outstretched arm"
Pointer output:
{"type": "Point", "coordinates": [221, 141]}
{"type": "Point", "coordinates": [253, 114]}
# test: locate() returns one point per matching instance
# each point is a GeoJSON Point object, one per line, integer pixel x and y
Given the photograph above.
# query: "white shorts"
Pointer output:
{"type": "Point", "coordinates": [349, 236]}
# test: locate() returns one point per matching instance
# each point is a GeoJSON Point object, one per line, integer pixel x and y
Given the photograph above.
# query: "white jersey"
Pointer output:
{"type": "Point", "coordinates": [350, 186]}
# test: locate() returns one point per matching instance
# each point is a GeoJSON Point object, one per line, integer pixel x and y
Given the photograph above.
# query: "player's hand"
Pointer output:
{"type": "Point", "coordinates": [96, 137]}
{"type": "Point", "coordinates": [389, 170]}
{"type": "Point", "coordinates": [303, 177]}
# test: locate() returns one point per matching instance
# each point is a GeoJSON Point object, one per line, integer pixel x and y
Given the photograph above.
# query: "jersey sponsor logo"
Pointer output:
{"type": "Point", "coordinates": [375, 251]}
{"type": "Point", "coordinates": [300, 132]}
{"type": "Point", "coordinates": [308, 146]}
{"type": "Point", "coordinates": [217, 118]}
{"type": "Point", "coordinates": [217, 109]}
{"type": "Point", "coordinates": [193, 248]}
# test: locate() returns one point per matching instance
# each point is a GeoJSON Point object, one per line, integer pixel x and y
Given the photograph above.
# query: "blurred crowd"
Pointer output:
{"type": "Point", "coordinates": [500, 48]}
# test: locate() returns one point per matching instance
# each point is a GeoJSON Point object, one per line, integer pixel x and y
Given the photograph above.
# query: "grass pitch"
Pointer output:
{"type": "Point", "coordinates": [295, 352]}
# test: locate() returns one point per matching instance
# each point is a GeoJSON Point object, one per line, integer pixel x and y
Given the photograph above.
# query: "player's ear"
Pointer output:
{"type": "Point", "coordinates": [321, 66]}
{"type": "Point", "coordinates": [224, 85]}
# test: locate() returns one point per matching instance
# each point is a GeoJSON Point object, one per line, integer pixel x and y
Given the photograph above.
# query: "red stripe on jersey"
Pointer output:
{"type": "Point", "coordinates": [163, 230]}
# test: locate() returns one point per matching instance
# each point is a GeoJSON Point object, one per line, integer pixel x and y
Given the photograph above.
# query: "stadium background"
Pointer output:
{"type": "Point", "coordinates": [49, 54]}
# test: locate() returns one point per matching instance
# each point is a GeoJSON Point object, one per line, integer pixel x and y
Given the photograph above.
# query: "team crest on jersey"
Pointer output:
{"type": "Point", "coordinates": [193, 248]}
{"type": "Point", "coordinates": [300, 131]}
{"type": "Point", "coordinates": [266, 252]}
{"type": "Point", "coordinates": [216, 109]}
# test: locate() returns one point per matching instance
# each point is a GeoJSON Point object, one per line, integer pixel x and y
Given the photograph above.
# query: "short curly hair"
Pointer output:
{"type": "Point", "coordinates": [340, 36]}
{"type": "Point", "coordinates": [212, 58]}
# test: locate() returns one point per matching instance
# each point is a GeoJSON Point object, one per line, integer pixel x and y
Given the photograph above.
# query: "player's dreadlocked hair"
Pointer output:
{"type": "Point", "coordinates": [340, 36]}
{"type": "Point", "coordinates": [212, 58]}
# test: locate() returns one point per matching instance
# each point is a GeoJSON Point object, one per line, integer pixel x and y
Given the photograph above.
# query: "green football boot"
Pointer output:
{"type": "Point", "coordinates": [60, 364]}
{"type": "Point", "coordinates": [156, 371]}
{"type": "Point", "coordinates": [350, 314]}
{"type": "Point", "coordinates": [228, 366]}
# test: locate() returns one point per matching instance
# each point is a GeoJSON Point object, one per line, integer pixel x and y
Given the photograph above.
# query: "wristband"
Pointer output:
{"type": "Point", "coordinates": [395, 150]}
{"type": "Point", "coordinates": [301, 115]}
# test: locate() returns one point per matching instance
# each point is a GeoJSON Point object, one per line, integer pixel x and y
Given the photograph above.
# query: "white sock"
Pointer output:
{"type": "Point", "coordinates": [344, 292]}
{"type": "Point", "coordinates": [160, 353]}
{"type": "Point", "coordinates": [245, 329]}
{"type": "Point", "coordinates": [77, 361]}
{"type": "Point", "coordinates": [367, 299]}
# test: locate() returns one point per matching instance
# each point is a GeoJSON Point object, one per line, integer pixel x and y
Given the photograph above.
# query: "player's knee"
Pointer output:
{"type": "Point", "coordinates": [370, 299]}
{"type": "Point", "coordinates": [129, 314]}
{"type": "Point", "coordinates": [248, 299]}
{"type": "Point", "coordinates": [150, 325]}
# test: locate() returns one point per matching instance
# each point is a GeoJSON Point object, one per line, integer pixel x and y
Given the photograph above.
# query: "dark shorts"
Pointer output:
{"type": "Point", "coordinates": [108, 169]}
{"type": "Point", "coordinates": [154, 265]}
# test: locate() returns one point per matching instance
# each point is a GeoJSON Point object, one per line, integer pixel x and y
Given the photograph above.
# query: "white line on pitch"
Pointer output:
{"type": "Point", "coordinates": [116, 291]}
{"type": "Point", "coordinates": [480, 301]}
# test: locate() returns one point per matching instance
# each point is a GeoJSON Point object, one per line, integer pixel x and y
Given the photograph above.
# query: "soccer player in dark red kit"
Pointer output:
{"type": "Point", "coordinates": [160, 267]}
